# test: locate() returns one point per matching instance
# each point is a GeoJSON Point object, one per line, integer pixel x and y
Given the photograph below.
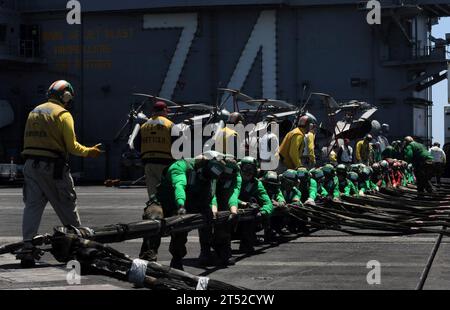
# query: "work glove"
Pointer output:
{"type": "Point", "coordinates": [214, 212]}
{"type": "Point", "coordinates": [310, 202]}
{"type": "Point", "coordinates": [297, 204]}
{"type": "Point", "coordinates": [361, 193]}
{"type": "Point", "coordinates": [337, 199]}
{"type": "Point", "coordinates": [232, 218]}
{"type": "Point", "coordinates": [95, 151]}
{"type": "Point", "coordinates": [181, 211]}
{"type": "Point", "coordinates": [253, 205]}
{"type": "Point", "coordinates": [281, 205]}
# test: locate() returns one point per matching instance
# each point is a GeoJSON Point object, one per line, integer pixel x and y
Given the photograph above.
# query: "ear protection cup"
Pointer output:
{"type": "Point", "coordinates": [67, 97]}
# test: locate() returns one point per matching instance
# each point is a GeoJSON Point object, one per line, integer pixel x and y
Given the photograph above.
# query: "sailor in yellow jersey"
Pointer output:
{"type": "Point", "coordinates": [293, 146]}
{"type": "Point", "coordinates": [363, 150]}
{"type": "Point", "coordinates": [156, 144]}
{"type": "Point", "coordinates": [228, 139]}
{"type": "Point", "coordinates": [48, 140]}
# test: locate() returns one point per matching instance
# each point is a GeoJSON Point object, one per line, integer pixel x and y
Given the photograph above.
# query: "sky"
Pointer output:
{"type": "Point", "coordinates": [440, 89]}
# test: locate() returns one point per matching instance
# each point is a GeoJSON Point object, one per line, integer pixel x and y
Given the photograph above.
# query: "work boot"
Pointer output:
{"type": "Point", "coordinates": [177, 263]}
{"type": "Point", "coordinates": [259, 240]}
{"type": "Point", "coordinates": [270, 237]}
{"type": "Point", "coordinates": [149, 255]}
{"type": "Point", "coordinates": [246, 249]}
{"type": "Point", "coordinates": [286, 233]}
{"type": "Point", "coordinates": [27, 263]}
{"type": "Point", "coordinates": [26, 256]}
{"type": "Point", "coordinates": [206, 258]}
{"type": "Point", "coordinates": [225, 262]}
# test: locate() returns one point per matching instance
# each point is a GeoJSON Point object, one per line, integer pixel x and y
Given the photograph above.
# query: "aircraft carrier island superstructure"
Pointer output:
{"type": "Point", "coordinates": [185, 50]}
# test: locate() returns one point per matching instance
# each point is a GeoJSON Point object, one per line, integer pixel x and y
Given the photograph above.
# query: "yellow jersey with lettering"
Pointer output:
{"type": "Point", "coordinates": [49, 132]}
{"type": "Point", "coordinates": [156, 139]}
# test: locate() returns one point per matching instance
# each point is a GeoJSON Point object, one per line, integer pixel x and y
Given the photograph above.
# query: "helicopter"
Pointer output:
{"type": "Point", "coordinates": [344, 120]}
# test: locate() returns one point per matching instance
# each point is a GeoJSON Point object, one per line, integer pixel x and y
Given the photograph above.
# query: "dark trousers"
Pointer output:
{"type": "Point", "coordinates": [278, 220]}
{"type": "Point", "coordinates": [438, 170]}
{"type": "Point", "coordinates": [247, 234]}
{"type": "Point", "coordinates": [205, 237]}
{"type": "Point", "coordinates": [217, 237]}
{"type": "Point", "coordinates": [222, 240]}
{"type": "Point", "coordinates": [150, 245]}
{"type": "Point", "coordinates": [424, 173]}
{"type": "Point", "coordinates": [177, 246]}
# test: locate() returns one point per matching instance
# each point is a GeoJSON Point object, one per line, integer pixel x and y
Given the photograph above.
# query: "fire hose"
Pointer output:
{"type": "Point", "coordinates": [390, 212]}
{"type": "Point", "coordinates": [86, 245]}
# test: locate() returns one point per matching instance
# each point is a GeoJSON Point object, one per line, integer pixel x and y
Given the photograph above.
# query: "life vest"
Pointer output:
{"type": "Point", "coordinates": [285, 147]}
{"type": "Point", "coordinates": [156, 139]}
{"type": "Point", "coordinates": [199, 192]}
{"type": "Point", "coordinates": [248, 190]}
{"type": "Point", "coordinates": [289, 196]}
{"type": "Point", "coordinates": [226, 190]}
{"type": "Point", "coordinates": [43, 132]}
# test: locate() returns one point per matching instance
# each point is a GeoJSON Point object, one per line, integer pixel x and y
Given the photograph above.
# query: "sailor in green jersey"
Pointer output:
{"type": "Point", "coordinates": [365, 183]}
{"type": "Point", "coordinates": [226, 199]}
{"type": "Point", "coordinates": [318, 176]}
{"type": "Point", "coordinates": [385, 175]}
{"type": "Point", "coordinates": [422, 161]}
{"type": "Point", "coordinates": [307, 186]}
{"type": "Point", "coordinates": [272, 185]}
{"type": "Point", "coordinates": [292, 195]}
{"type": "Point", "coordinates": [353, 177]}
{"type": "Point", "coordinates": [403, 169]}
{"type": "Point", "coordinates": [278, 219]}
{"type": "Point", "coordinates": [252, 192]}
{"type": "Point", "coordinates": [181, 186]}
{"type": "Point", "coordinates": [376, 176]}
{"type": "Point", "coordinates": [346, 187]}
{"type": "Point", "coordinates": [289, 183]}
{"type": "Point", "coordinates": [392, 151]}
{"type": "Point", "coordinates": [330, 182]}
{"type": "Point", "coordinates": [409, 174]}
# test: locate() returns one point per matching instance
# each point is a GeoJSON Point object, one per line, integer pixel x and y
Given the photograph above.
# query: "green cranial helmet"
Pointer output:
{"type": "Point", "coordinates": [384, 165]}
{"type": "Point", "coordinates": [396, 143]}
{"type": "Point", "coordinates": [213, 155]}
{"type": "Point", "coordinates": [317, 174]}
{"type": "Point", "coordinates": [214, 169]}
{"type": "Point", "coordinates": [270, 178]}
{"type": "Point", "coordinates": [341, 169]}
{"type": "Point", "coordinates": [211, 163]}
{"type": "Point", "coordinates": [328, 170]}
{"type": "Point", "coordinates": [353, 176]}
{"type": "Point", "coordinates": [376, 167]}
{"type": "Point", "coordinates": [356, 167]}
{"type": "Point", "coordinates": [289, 177]}
{"type": "Point", "coordinates": [249, 164]}
{"type": "Point", "coordinates": [231, 165]}
{"type": "Point", "coordinates": [303, 174]}
{"type": "Point", "coordinates": [366, 172]}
